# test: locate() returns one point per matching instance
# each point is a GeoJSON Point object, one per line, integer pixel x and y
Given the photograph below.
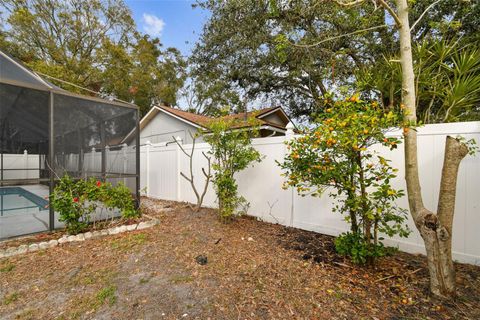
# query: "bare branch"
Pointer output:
{"type": "Point", "coordinates": [186, 178]}
{"type": "Point", "coordinates": [383, 3]}
{"type": "Point", "coordinates": [423, 13]}
{"type": "Point", "coordinates": [392, 12]}
{"type": "Point", "coordinates": [349, 4]}
{"type": "Point", "coordinates": [337, 37]}
{"type": "Point", "coordinates": [190, 179]}
{"type": "Point", "coordinates": [181, 148]}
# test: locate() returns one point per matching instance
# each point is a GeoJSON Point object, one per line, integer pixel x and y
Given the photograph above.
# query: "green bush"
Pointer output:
{"type": "Point", "coordinates": [232, 150]}
{"type": "Point", "coordinates": [76, 200]}
{"type": "Point", "coordinates": [337, 157]}
{"type": "Point", "coordinates": [360, 251]}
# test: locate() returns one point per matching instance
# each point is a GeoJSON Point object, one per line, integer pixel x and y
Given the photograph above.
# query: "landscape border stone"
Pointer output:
{"type": "Point", "coordinates": [13, 251]}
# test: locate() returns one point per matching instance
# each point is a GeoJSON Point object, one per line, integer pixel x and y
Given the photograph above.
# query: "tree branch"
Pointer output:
{"type": "Point", "coordinates": [348, 4]}
{"type": "Point", "coordinates": [423, 13]}
{"type": "Point", "coordinates": [383, 3]}
{"type": "Point", "coordinates": [337, 37]}
{"type": "Point", "coordinates": [186, 178]}
{"type": "Point", "coordinates": [181, 148]}
{"type": "Point", "coordinates": [392, 12]}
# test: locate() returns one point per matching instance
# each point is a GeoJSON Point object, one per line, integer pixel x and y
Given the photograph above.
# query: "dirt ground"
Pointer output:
{"type": "Point", "coordinates": [191, 266]}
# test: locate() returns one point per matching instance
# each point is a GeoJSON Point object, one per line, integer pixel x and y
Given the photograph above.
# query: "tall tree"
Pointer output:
{"type": "Point", "coordinates": [237, 53]}
{"type": "Point", "coordinates": [92, 44]}
{"type": "Point", "coordinates": [435, 228]}
{"type": "Point", "coordinates": [321, 47]}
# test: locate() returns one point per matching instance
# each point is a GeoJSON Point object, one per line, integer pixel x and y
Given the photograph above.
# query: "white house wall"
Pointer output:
{"type": "Point", "coordinates": [162, 127]}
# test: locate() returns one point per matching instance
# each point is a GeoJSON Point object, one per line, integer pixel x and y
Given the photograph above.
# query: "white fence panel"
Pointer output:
{"type": "Point", "coordinates": [16, 166]}
{"type": "Point", "coordinates": [261, 185]}
{"type": "Point", "coordinates": [162, 179]}
{"type": "Point", "coordinates": [199, 161]}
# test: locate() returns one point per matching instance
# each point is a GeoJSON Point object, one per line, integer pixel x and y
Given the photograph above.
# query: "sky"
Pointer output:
{"type": "Point", "coordinates": [175, 22]}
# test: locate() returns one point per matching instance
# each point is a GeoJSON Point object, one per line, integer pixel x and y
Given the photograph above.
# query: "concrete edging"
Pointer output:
{"type": "Point", "coordinates": [13, 251]}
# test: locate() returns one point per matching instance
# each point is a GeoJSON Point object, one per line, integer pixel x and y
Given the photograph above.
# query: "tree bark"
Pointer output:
{"type": "Point", "coordinates": [408, 99]}
{"type": "Point", "coordinates": [435, 229]}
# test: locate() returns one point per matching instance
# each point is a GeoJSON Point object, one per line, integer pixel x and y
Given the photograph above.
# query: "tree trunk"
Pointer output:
{"type": "Point", "coordinates": [408, 99]}
{"type": "Point", "coordinates": [435, 229]}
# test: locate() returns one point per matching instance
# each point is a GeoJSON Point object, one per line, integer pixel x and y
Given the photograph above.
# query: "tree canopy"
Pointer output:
{"type": "Point", "coordinates": [92, 44]}
{"type": "Point", "coordinates": [294, 53]}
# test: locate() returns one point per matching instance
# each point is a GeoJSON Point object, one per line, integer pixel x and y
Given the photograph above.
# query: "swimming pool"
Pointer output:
{"type": "Point", "coordinates": [17, 200]}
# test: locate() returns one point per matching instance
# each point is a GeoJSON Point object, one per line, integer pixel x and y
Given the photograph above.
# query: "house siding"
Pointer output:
{"type": "Point", "coordinates": [162, 127]}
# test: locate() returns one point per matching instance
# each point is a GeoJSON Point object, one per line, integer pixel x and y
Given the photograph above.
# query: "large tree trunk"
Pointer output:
{"type": "Point", "coordinates": [435, 229]}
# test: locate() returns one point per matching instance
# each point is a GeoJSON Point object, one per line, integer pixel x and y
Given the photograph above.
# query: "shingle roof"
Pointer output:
{"type": "Point", "coordinates": [203, 121]}
{"type": "Point", "coordinates": [189, 116]}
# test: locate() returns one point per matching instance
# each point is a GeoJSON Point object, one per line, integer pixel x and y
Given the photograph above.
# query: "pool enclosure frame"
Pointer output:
{"type": "Point", "coordinates": [107, 126]}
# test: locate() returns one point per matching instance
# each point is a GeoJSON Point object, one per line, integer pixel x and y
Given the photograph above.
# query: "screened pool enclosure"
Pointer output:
{"type": "Point", "coordinates": [47, 132]}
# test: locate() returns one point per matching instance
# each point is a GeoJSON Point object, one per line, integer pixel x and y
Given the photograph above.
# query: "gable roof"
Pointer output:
{"type": "Point", "coordinates": [260, 116]}
{"type": "Point", "coordinates": [201, 121]}
{"type": "Point", "coordinates": [190, 117]}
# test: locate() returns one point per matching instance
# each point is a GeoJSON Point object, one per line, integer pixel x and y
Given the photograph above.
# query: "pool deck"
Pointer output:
{"type": "Point", "coordinates": [35, 220]}
{"type": "Point", "coordinates": [31, 221]}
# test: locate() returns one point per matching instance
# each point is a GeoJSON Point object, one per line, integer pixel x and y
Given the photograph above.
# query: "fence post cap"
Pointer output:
{"type": "Point", "coordinates": [148, 142]}
{"type": "Point", "coordinates": [178, 139]}
{"type": "Point", "coordinates": [290, 128]}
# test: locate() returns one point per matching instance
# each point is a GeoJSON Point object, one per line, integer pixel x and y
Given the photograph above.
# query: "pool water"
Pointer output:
{"type": "Point", "coordinates": [16, 200]}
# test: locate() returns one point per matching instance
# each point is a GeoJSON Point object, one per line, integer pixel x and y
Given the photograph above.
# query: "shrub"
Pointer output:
{"type": "Point", "coordinates": [232, 152]}
{"type": "Point", "coordinates": [354, 245]}
{"type": "Point", "coordinates": [76, 200]}
{"type": "Point", "coordinates": [336, 156]}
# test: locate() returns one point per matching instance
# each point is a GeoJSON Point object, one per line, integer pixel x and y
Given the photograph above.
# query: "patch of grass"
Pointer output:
{"type": "Point", "coordinates": [143, 280]}
{"type": "Point", "coordinates": [10, 298]}
{"type": "Point", "coordinates": [181, 279]}
{"type": "Point", "coordinates": [99, 276]}
{"type": "Point", "coordinates": [7, 267]}
{"type": "Point", "coordinates": [107, 294]}
{"type": "Point", "coordinates": [128, 242]}
{"type": "Point", "coordinates": [90, 303]}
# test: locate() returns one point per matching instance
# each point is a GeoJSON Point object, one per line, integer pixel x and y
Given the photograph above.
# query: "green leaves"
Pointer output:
{"type": "Point", "coordinates": [337, 155]}
{"type": "Point", "coordinates": [230, 141]}
{"type": "Point", "coordinates": [355, 246]}
{"type": "Point", "coordinates": [281, 46]}
{"type": "Point", "coordinates": [272, 54]}
{"type": "Point", "coordinates": [76, 200]}
{"type": "Point", "coordinates": [93, 44]}
{"type": "Point", "coordinates": [447, 76]}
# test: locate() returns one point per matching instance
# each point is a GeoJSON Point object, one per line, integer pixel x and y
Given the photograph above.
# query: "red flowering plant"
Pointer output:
{"type": "Point", "coordinates": [76, 200]}
{"type": "Point", "coordinates": [336, 157]}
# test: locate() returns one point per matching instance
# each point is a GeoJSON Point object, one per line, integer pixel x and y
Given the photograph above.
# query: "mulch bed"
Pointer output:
{"type": "Point", "coordinates": [191, 266]}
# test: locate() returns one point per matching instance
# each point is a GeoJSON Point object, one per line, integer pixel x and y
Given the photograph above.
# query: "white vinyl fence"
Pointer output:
{"type": "Point", "coordinates": [21, 166]}
{"type": "Point", "coordinates": [161, 165]}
